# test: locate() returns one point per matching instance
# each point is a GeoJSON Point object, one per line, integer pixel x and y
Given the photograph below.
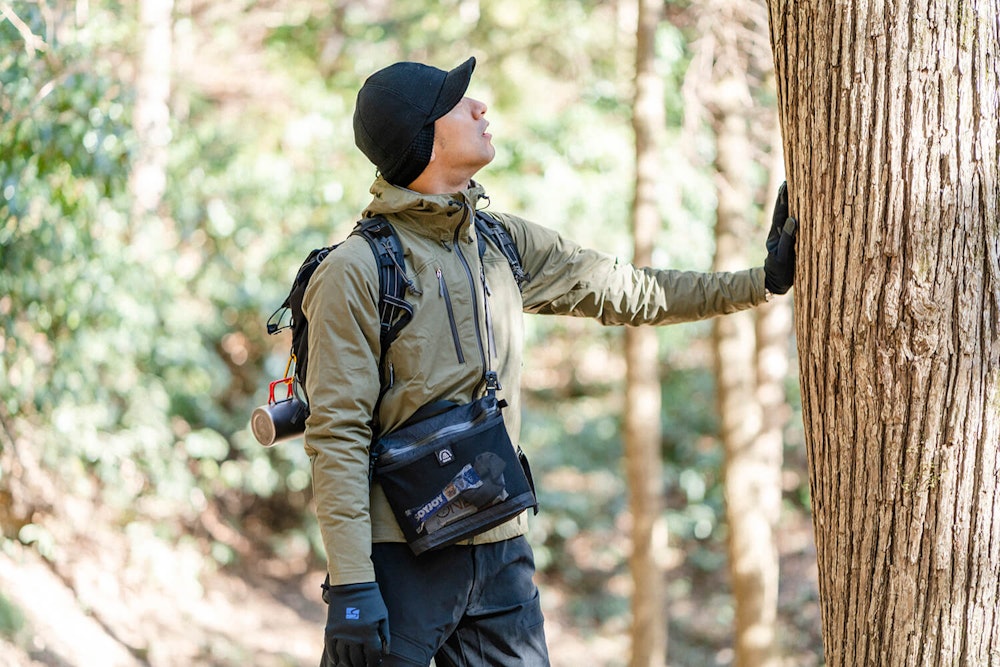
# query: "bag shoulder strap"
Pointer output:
{"type": "Point", "coordinates": [490, 228]}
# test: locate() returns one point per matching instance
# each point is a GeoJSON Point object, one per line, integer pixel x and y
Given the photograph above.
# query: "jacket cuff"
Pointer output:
{"type": "Point", "coordinates": [760, 294]}
{"type": "Point", "coordinates": [340, 576]}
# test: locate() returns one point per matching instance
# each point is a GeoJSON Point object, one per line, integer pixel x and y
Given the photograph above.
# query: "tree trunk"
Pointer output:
{"type": "Point", "coordinates": [752, 468]}
{"type": "Point", "coordinates": [748, 369]}
{"type": "Point", "coordinates": [151, 114]}
{"type": "Point", "coordinates": [773, 332]}
{"type": "Point", "coordinates": [891, 134]}
{"type": "Point", "coordinates": [642, 392]}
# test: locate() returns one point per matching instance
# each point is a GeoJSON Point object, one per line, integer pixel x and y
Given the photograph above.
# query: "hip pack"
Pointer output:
{"type": "Point", "coordinates": [454, 475]}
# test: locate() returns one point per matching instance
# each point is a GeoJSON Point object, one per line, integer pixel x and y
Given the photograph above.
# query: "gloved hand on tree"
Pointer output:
{"type": "Point", "coordinates": [779, 266]}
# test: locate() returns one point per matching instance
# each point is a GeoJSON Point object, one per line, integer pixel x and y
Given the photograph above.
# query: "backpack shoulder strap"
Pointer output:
{"type": "Point", "coordinates": [490, 228]}
{"type": "Point", "coordinates": [394, 311]}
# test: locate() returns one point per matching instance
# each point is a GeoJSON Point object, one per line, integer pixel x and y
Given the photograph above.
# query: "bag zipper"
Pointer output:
{"type": "Point", "coordinates": [392, 455]}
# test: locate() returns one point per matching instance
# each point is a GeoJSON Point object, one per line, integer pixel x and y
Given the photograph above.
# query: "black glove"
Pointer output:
{"type": "Point", "coordinates": [779, 266]}
{"type": "Point", "coordinates": [357, 625]}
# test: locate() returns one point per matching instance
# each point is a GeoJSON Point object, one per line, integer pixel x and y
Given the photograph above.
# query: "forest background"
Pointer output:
{"type": "Point", "coordinates": [141, 523]}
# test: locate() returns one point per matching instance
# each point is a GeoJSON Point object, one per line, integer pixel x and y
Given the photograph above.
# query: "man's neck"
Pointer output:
{"type": "Point", "coordinates": [431, 182]}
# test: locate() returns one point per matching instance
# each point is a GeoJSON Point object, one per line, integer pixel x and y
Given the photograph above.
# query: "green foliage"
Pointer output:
{"type": "Point", "coordinates": [12, 623]}
{"type": "Point", "coordinates": [136, 347]}
{"type": "Point", "coordinates": [99, 339]}
{"type": "Point", "coordinates": [63, 171]}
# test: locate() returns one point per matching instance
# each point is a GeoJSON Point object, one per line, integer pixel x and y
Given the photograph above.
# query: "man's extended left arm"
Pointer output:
{"type": "Point", "coordinates": [568, 279]}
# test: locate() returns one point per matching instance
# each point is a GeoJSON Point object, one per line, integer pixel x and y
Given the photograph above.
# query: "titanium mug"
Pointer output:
{"type": "Point", "coordinates": [279, 420]}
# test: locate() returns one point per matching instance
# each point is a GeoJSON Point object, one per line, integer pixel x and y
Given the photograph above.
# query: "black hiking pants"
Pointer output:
{"type": "Point", "coordinates": [463, 606]}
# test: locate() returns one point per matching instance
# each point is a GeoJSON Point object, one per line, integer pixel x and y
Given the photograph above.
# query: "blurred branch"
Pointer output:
{"type": "Point", "coordinates": [24, 489]}
{"type": "Point", "coordinates": [729, 46]}
{"type": "Point", "coordinates": [45, 90]}
{"type": "Point", "coordinates": [32, 42]}
{"type": "Point", "coordinates": [8, 440]}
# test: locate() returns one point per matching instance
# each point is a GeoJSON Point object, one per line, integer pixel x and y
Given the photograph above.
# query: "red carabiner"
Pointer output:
{"type": "Point", "coordinates": [287, 381]}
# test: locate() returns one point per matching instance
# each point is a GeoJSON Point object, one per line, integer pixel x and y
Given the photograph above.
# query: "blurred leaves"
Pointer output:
{"type": "Point", "coordinates": [134, 350]}
{"type": "Point", "coordinates": [12, 622]}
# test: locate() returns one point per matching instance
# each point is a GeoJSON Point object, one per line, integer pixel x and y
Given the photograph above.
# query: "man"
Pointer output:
{"type": "Point", "coordinates": [472, 603]}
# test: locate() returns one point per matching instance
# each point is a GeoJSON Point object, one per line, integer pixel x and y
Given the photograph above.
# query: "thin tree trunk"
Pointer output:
{"type": "Point", "coordinates": [642, 393]}
{"type": "Point", "coordinates": [891, 135]}
{"type": "Point", "coordinates": [752, 468]}
{"type": "Point", "coordinates": [151, 113]}
{"type": "Point", "coordinates": [773, 333]}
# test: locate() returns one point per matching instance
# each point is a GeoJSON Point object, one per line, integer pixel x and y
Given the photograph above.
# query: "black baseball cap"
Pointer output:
{"type": "Point", "coordinates": [395, 114]}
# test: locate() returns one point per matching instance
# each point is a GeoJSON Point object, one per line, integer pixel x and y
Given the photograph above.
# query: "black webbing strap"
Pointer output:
{"type": "Point", "coordinates": [394, 311]}
{"type": "Point", "coordinates": [490, 228]}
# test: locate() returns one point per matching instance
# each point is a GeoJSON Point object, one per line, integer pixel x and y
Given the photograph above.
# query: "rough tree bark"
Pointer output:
{"type": "Point", "coordinates": [890, 118]}
{"type": "Point", "coordinates": [642, 393]}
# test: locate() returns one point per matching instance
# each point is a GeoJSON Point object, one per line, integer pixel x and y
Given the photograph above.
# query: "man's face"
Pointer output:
{"type": "Point", "coordinates": [461, 141]}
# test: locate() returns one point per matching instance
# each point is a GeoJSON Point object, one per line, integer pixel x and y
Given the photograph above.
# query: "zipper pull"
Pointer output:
{"type": "Point", "coordinates": [440, 278]}
{"type": "Point", "coordinates": [486, 285]}
{"type": "Point", "coordinates": [492, 381]}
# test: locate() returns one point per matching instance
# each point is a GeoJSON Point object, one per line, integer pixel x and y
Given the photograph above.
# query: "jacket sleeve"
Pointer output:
{"type": "Point", "coordinates": [567, 279]}
{"type": "Point", "coordinates": [342, 384]}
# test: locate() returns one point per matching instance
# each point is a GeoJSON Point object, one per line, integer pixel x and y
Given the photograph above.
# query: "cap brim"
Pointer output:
{"type": "Point", "coordinates": [456, 82]}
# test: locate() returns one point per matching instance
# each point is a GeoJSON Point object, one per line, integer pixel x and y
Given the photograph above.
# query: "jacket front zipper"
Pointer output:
{"type": "Point", "coordinates": [472, 288]}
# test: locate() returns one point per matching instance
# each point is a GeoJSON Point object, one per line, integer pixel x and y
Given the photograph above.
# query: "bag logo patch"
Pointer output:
{"type": "Point", "coordinates": [445, 456]}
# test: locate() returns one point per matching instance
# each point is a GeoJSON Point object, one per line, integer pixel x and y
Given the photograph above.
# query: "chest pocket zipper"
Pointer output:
{"type": "Point", "coordinates": [443, 293]}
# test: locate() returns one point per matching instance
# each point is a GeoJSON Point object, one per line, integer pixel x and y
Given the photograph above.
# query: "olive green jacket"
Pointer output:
{"type": "Point", "coordinates": [458, 331]}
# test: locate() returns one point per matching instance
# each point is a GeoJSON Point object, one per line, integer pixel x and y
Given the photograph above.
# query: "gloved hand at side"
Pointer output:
{"type": "Point", "coordinates": [357, 625]}
{"type": "Point", "coordinates": [779, 266]}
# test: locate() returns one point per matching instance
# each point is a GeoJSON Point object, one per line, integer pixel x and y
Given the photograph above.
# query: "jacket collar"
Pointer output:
{"type": "Point", "coordinates": [434, 216]}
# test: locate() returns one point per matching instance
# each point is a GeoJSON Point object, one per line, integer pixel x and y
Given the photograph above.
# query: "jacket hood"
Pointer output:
{"type": "Point", "coordinates": [438, 214]}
